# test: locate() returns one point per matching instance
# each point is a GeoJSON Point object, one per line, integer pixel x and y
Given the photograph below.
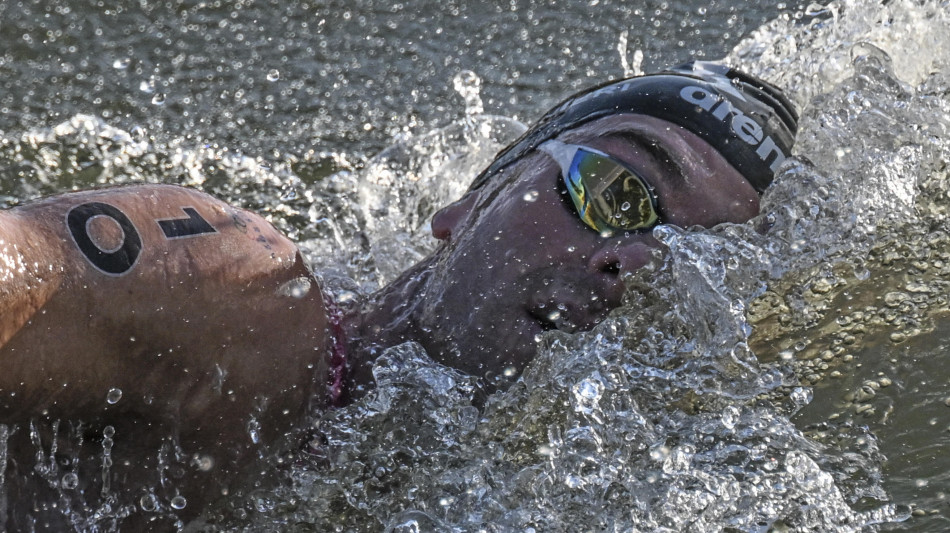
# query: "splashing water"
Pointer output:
{"type": "Point", "coordinates": [398, 191]}
{"type": "Point", "coordinates": [467, 84]}
{"type": "Point", "coordinates": [779, 407]}
{"type": "Point", "coordinates": [630, 68]}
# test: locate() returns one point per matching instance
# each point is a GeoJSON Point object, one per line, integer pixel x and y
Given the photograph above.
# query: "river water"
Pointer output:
{"type": "Point", "coordinates": [785, 380]}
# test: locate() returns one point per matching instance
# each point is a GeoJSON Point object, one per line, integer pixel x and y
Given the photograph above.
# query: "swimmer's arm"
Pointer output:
{"type": "Point", "coordinates": [201, 314]}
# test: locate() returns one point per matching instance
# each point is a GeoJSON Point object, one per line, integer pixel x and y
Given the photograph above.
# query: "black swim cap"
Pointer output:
{"type": "Point", "coordinates": [747, 120]}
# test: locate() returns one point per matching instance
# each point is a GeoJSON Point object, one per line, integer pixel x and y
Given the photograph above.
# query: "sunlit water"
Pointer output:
{"type": "Point", "coordinates": [783, 375]}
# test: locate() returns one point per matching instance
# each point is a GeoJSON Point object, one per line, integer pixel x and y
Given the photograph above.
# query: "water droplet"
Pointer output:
{"type": "Point", "coordinates": [217, 381]}
{"type": "Point", "coordinates": [815, 9]}
{"type": "Point", "coordinates": [861, 272]}
{"type": "Point", "coordinates": [158, 99]}
{"type": "Point", "coordinates": [468, 84]}
{"type": "Point", "coordinates": [587, 394]}
{"type": "Point", "coordinates": [573, 482]}
{"type": "Point", "coordinates": [263, 505]}
{"type": "Point", "coordinates": [289, 195]}
{"type": "Point", "coordinates": [203, 462]}
{"type": "Point", "coordinates": [730, 415]}
{"type": "Point", "coordinates": [70, 481]}
{"type": "Point", "coordinates": [146, 87]}
{"type": "Point", "coordinates": [346, 297]}
{"type": "Point", "coordinates": [625, 206]}
{"type": "Point", "coordinates": [530, 196]}
{"type": "Point", "coordinates": [659, 453]}
{"type": "Point", "coordinates": [178, 502]}
{"type": "Point", "coordinates": [138, 133]}
{"type": "Point", "coordinates": [122, 63]}
{"type": "Point", "coordinates": [295, 288]}
{"type": "Point", "coordinates": [801, 395]}
{"type": "Point", "coordinates": [588, 390]}
{"type": "Point", "coordinates": [273, 75]}
{"type": "Point", "coordinates": [254, 430]}
{"type": "Point", "coordinates": [148, 503]}
{"type": "Point", "coordinates": [108, 432]}
{"type": "Point", "coordinates": [113, 396]}
{"type": "Point", "coordinates": [633, 66]}
{"type": "Point", "coordinates": [864, 394]}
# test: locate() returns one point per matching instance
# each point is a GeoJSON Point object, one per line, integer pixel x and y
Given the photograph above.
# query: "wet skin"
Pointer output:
{"type": "Point", "coordinates": [516, 259]}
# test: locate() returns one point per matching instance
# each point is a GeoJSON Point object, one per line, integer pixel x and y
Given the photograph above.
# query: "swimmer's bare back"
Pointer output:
{"type": "Point", "coordinates": [158, 308]}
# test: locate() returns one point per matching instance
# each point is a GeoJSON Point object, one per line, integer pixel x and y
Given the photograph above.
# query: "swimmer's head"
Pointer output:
{"type": "Point", "coordinates": [692, 146]}
{"type": "Point", "coordinates": [750, 122]}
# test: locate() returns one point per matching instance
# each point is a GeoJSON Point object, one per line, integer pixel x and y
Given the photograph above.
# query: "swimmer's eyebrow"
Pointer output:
{"type": "Point", "coordinates": [660, 153]}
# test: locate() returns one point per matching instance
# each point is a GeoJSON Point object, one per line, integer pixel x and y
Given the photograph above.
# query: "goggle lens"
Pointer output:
{"type": "Point", "coordinates": [607, 194]}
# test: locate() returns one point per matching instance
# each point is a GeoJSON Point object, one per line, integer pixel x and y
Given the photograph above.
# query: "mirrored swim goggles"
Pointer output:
{"type": "Point", "coordinates": [608, 194]}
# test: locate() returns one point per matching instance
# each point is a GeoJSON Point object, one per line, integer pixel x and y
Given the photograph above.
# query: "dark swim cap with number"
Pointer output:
{"type": "Point", "coordinates": [747, 120]}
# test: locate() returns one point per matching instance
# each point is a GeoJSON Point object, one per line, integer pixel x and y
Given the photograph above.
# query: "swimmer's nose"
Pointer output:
{"type": "Point", "coordinates": [448, 220]}
{"type": "Point", "coordinates": [619, 258]}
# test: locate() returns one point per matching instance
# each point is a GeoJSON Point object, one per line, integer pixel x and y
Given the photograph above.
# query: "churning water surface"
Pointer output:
{"type": "Point", "coordinates": [785, 380]}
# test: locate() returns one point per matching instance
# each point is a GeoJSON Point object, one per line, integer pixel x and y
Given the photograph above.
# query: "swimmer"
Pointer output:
{"type": "Point", "coordinates": [170, 322]}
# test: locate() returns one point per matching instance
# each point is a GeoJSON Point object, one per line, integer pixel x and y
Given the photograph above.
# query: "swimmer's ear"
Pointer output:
{"type": "Point", "coordinates": [446, 221]}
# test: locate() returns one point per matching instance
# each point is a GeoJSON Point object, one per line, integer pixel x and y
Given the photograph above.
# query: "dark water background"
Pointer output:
{"type": "Point", "coordinates": [270, 77]}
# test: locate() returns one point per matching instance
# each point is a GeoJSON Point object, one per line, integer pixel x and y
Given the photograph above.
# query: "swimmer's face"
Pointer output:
{"type": "Point", "coordinates": [518, 260]}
